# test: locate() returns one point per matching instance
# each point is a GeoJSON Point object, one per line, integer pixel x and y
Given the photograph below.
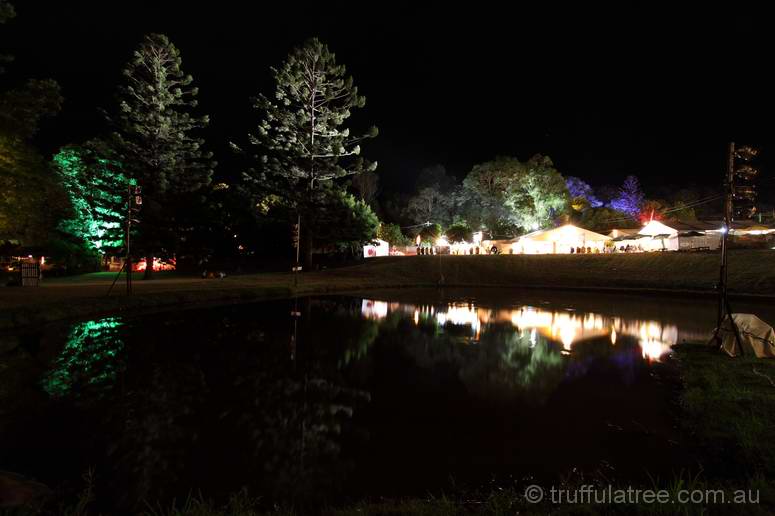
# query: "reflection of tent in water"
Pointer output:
{"type": "Point", "coordinates": [565, 327]}
{"type": "Point", "coordinates": [757, 337]}
{"type": "Point", "coordinates": [560, 240]}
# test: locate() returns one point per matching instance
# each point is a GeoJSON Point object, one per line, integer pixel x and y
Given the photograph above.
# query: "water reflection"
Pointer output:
{"type": "Point", "coordinates": [566, 327]}
{"type": "Point", "coordinates": [374, 394]}
{"type": "Point", "coordinates": [90, 358]}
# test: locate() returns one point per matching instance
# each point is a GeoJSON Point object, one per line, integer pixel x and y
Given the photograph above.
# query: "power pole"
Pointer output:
{"type": "Point", "coordinates": [739, 201]}
{"type": "Point", "coordinates": [729, 180]}
{"type": "Point", "coordinates": [133, 203]}
{"type": "Point", "coordinates": [296, 241]}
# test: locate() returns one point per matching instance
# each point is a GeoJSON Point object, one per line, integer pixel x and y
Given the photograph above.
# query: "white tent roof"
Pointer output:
{"type": "Point", "coordinates": [655, 227]}
{"type": "Point", "coordinates": [566, 232]}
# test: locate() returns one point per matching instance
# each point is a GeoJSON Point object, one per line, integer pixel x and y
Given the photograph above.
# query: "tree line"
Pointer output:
{"type": "Point", "coordinates": [302, 163]}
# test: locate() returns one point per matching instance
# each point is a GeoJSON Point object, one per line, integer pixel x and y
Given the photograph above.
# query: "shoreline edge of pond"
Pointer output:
{"type": "Point", "coordinates": [751, 277]}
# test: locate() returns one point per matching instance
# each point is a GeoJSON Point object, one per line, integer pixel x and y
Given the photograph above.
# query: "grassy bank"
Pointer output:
{"type": "Point", "coordinates": [728, 407]}
{"type": "Point", "coordinates": [750, 272]}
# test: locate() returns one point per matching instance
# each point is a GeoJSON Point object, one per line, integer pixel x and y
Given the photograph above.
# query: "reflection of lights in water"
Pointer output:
{"type": "Point", "coordinates": [655, 341]}
{"type": "Point", "coordinates": [564, 326]}
{"type": "Point", "coordinates": [374, 309]}
{"type": "Point", "coordinates": [653, 349]}
{"type": "Point", "coordinates": [461, 315]}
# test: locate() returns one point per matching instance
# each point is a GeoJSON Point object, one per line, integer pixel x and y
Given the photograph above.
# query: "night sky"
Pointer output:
{"type": "Point", "coordinates": [656, 92]}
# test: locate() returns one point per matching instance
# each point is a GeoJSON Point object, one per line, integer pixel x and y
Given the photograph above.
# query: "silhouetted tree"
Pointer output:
{"type": "Point", "coordinates": [303, 142]}
{"type": "Point", "coordinates": [32, 200]}
{"type": "Point", "coordinates": [156, 140]}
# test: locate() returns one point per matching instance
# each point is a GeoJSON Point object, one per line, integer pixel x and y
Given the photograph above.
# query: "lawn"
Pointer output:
{"type": "Point", "coordinates": [728, 407]}
{"type": "Point", "coordinates": [102, 277]}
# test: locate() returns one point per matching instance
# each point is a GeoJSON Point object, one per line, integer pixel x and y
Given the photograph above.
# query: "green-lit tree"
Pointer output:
{"type": "Point", "coordinates": [459, 232]}
{"type": "Point", "coordinates": [391, 233]}
{"type": "Point", "coordinates": [157, 140]}
{"type": "Point", "coordinates": [97, 190]}
{"type": "Point", "coordinates": [538, 195]}
{"type": "Point", "coordinates": [303, 142]}
{"type": "Point", "coordinates": [507, 195]}
{"type": "Point", "coordinates": [429, 234]}
{"type": "Point", "coordinates": [343, 222]}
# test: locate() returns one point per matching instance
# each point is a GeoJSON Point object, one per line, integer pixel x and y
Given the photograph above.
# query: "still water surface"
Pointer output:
{"type": "Point", "coordinates": [324, 398]}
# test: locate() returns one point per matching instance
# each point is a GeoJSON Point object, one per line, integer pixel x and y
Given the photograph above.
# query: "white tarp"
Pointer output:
{"type": "Point", "coordinates": [757, 337]}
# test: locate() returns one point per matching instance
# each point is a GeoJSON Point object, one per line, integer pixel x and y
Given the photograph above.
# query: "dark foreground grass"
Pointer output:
{"type": "Point", "coordinates": [729, 410]}
{"type": "Point", "coordinates": [498, 502]}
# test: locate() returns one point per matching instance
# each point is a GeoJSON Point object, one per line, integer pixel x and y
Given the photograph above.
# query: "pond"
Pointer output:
{"type": "Point", "coordinates": [329, 398]}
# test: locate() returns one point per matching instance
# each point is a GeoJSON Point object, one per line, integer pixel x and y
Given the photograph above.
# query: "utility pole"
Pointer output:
{"type": "Point", "coordinates": [133, 202]}
{"type": "Point", "coordinates": [296, 241]}
{"type": "Point", "coordinates": [739, 201]}
{"type": "Point", "coordinates": [729, 180]}
{"type": "Point", "coordinates": [128, 260]}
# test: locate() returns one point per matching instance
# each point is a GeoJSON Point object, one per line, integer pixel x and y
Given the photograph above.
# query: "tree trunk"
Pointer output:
{"type": "Point", "coordinates": [148, 267]}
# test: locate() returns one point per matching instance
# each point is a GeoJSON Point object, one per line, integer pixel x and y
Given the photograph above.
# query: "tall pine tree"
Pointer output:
{"type": "Point", "coordinates": [156, 140]}
{"type": "Point", "coordinates": [303, 142]}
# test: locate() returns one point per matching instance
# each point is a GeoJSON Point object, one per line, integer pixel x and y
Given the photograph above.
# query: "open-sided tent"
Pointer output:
{"type": "Point", "coordinates": [562, 240]}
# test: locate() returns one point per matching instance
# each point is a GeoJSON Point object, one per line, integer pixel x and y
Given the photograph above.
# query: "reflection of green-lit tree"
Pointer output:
{"type": "Point", "coordinates": [358, 346]}
{"type": "Point", "coordinates": [507, 364]}
{"type": "Point", "coordinates": [504, 363]}
{"type": "Point", "coordinates": [90, 359]}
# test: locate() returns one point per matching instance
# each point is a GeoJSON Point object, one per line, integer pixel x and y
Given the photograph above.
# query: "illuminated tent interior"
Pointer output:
{"type": "Point", "coordinates": [562, 240]}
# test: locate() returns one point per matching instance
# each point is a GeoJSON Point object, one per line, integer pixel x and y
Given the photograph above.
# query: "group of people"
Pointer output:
{"type": "Point", "coordinates": [471, 250]}
{"type": "Point", "coordinates": [584, 250]}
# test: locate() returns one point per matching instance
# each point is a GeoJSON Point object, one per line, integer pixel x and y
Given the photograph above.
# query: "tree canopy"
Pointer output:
{"type": "Point", "coordinates": [157, 141]}
{"type": "Point", "coordinates": [302, 142]}
{"type": "Point", "coordinates": [32, 200]}
{"type": "Point", "coordinates": [97, 191]}
{"type": "Point", "coordinates": [511, 195]}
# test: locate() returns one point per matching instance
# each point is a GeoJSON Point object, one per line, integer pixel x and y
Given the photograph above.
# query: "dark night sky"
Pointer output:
{"type": "Point", "coordinates": [605, 92]}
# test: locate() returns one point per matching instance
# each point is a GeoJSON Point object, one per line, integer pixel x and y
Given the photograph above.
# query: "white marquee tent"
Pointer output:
{"type": "Point", "coordinates": [560, 240]}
